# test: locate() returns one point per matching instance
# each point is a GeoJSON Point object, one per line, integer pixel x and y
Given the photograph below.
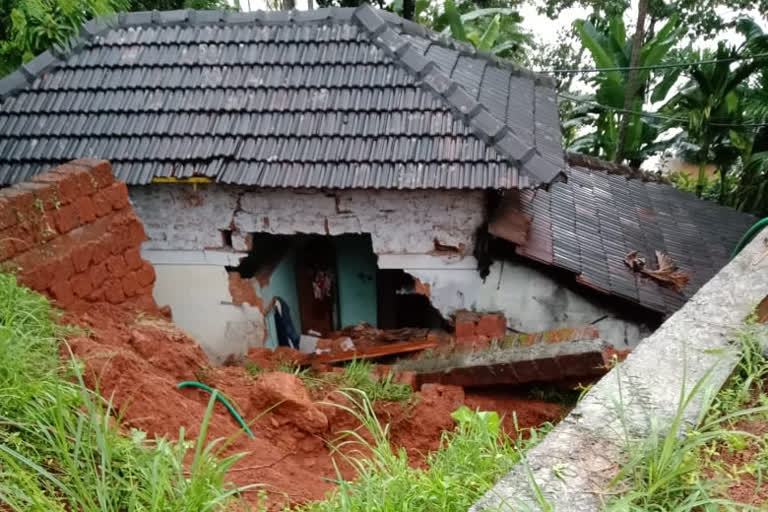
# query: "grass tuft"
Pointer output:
{"type": "Point", "coordinates": [60, 448]}
{"type": "Point", "coordinates": [676, 471]}
{"type": "Point", "coordinates": [470, 460]}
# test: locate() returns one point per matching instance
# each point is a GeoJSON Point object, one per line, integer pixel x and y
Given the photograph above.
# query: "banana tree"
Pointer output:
{"type": "Point", "coordinates": [611, 49]}
{"type": "Point", "coordinates": [502, 35]}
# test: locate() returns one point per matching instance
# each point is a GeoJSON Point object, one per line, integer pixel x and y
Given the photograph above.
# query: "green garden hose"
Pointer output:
{"type": "Point", "coordinates": [232, 411]}
{"type": "Point", "coordinates": [749, 235]}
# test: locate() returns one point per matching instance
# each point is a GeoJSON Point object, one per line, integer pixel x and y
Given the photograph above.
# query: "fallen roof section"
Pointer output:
{"type": "Point", "coordinates": [590, 224]}
{"type": "Point", "coordinates": [337, 98]}
{"type": "Point", "coordinates": [639, 398]}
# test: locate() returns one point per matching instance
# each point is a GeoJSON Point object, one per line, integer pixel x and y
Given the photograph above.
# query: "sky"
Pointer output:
{"type": "Point", "coordinates": [545, 30]}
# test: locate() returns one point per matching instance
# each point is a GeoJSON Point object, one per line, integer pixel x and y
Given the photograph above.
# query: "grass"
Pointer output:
{"type": "Point", "coordinates": [61, 448]}
{"type": "Point", "coordinates": [682, 473]}
{"type": "Point", "coordinates": [470, 460]}
{"type": "Point", "coordinates": [59, 444]}
{"type": "Point", "coordinates": [357, 375]}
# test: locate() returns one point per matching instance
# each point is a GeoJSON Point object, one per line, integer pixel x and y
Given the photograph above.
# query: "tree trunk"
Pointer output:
{"type": "Point", "coordinates": [703, 160]}
{"type": "Point", "coordinates": [723, 189]}
{"type": "Point", "coordinates": [409, 7]}
{"type": "Point", "coordinates": [631, 89]}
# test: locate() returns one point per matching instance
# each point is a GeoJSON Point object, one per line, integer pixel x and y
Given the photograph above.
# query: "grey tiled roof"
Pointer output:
{"type": "Point", "coordinates": [589, 224]}
{"type": "Point", "coordinates": [326, 98]}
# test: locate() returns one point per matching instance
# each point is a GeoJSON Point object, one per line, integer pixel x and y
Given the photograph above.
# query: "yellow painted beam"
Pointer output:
{"type": "Point", "coordinates": [192, 179]}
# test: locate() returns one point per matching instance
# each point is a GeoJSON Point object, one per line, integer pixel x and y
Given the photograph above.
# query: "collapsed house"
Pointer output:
{"type": "Point", "coordinates": [356, 168]}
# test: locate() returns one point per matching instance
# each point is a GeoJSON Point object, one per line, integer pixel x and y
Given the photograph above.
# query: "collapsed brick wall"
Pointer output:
{"type": "Point", "coordinates": [72, 234]}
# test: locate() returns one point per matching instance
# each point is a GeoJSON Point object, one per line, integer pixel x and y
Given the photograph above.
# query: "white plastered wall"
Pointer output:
{"type": "Point", "coordinates": [186, 223]}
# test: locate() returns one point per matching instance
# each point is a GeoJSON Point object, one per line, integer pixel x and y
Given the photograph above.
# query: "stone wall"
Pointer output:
{"type": "Point", "coordinates": [185, 217]}
{"type": "Point", "coordinates": [71, 233]}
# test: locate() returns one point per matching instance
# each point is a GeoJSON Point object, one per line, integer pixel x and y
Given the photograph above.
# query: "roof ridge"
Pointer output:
{"type": "Point", "coordinates": [465, 49]}
{"type": "Point", "coordinates": [483, 123]}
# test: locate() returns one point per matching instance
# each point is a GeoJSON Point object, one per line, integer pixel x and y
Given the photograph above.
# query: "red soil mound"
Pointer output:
{"type": "Point", "coordinates": [137, 360]}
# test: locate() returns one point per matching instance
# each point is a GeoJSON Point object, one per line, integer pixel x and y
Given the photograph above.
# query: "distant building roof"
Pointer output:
{"type": "Point", "coordinates": [332, 97]}
{"type": "Point", "coordinates": [591, 223]}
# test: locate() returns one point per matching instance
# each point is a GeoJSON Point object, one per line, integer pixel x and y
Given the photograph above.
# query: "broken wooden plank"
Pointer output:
{"type": "Point", "coordinates": [371, 353]}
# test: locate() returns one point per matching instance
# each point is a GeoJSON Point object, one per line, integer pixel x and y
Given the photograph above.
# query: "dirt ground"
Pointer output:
{"type": "Point", "coordinates": [736, 476]}
{"type": "Point", "coordinates": [138, 359]}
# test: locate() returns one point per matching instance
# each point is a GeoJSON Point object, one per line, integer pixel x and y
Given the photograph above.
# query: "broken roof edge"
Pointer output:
{"type": "Point", "coordinates": [596, 164]}
{"type": "Point", "coordinates": [474, 114]}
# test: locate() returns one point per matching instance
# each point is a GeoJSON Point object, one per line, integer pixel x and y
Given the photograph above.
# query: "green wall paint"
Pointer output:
{"type": "Point", "coordinates": [356, 271]}
{"type": "Point", "coordinates": [282, 283]}
{"type": "Point", "coordinates": [356, 285]}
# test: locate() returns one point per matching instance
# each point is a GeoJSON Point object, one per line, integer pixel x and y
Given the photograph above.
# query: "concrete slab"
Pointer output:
{"type": "Point", "coordinates": [587, 446]}
{"type": "Point", "coordinates": [541, 362]}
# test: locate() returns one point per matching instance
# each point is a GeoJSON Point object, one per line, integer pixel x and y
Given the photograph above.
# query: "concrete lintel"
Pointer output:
{"type": "Point", "coordinates": [425, 262]}
{"type": "Point", "coordinates": [587, 447]}
{"type": "Point", "coordinates": [541, 362]}
{"type": "Point", "coordinates": [204, 257]}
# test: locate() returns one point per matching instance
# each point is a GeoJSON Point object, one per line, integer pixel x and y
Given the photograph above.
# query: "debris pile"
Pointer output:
{"type": "Point", "coordinates": [665, 273]}
{"type": "Point", "coordinates": [138, 359]}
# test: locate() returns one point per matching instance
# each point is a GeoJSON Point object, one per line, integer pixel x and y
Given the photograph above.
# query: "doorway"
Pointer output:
{"type": "Point", "coordinates": [317, 285]}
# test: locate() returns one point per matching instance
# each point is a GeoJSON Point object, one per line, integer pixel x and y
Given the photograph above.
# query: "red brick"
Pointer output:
{"type": "Point", "coordinates": [133, 258]}
{"type": "Point", "coordinates": [136, 233]}
{"type": "Point", "coordinates": [38, 277]}
{"type": "Point", "coordinates": [86, 183]}
{"type": "Point", "coordinates": [101, 170]}
{"type": "Point", "coordinates": [102, 248]}
{"type": "Point", "coordinates": [82, 256]}
{"type": "Point", "coordinates": [117, 195]}
{"type": "Point", "coordinates": [64, 269]}
{"type": "Point", "coordinates": [23, 237]}
{"type": "Point", "coordinates": [146, 274]}
{"type": "Point", "coordinates": [99, 274]}
{"type": "Point", "coordinates": [81, 285]}
{"type": "Point", "coordinates": [465, 325]}
{"type": "Point", "coordinates": [86, 211]}
{"type": "Point", "coordinates": [7, 247]}
{"type": "Point", "coordinates": [64, 181]}
{"type": "Point", "coordinates": [7, 214]}
{"type": "Point", "coordinates": [408, 378]}
{"type": "Point", "coordinates": [66, 218]}
{"type": "Point", "coordinates": [47, 225]}
{"type": "Point", "coordinates": [127, 231]}
{"type": "Point", "coordinates": [22, 202]}
{"type": "Point", "coordinates": [116, 266]}
{"type": "Point", "coordinates": [62, 292]}
{"type": "Point", "coordinates": [131, 286]}
{"type": "Point", "coordinates": [113, 291]}
{"type": "Point", "coordinates": [44, 194]}
{"type": "Point", "coordinates": [492, 325]}
{"type": "Point", "coordinates": [101, 205]}
{"type": "Point", "coordinates": [97, 295]}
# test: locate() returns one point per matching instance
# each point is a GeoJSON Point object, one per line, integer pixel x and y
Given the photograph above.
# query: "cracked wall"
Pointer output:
{"type": "Point", "coordinates": [427, 234]}
{"type": "Point", "coordinates": [182, 217]}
